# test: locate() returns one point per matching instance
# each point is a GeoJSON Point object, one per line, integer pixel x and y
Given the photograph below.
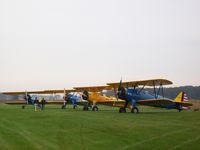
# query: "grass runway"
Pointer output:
{"type": "Point", "coordinates": [53, 128]}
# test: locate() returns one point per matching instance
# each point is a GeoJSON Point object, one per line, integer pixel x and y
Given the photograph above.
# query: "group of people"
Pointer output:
{"type": "Point", "coordinates": [39, 105]}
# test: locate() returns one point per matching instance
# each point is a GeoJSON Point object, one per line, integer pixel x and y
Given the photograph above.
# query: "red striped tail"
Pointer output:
{"type": "Point", "coordinates": [185, 98]}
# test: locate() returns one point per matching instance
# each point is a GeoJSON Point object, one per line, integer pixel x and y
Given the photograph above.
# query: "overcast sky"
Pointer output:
{"type": "Point", "coordinates": [54, 44]}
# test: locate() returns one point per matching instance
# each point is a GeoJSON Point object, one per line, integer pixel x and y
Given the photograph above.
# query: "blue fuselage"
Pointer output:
{"type": "Point", "coordinates": [133, 96]}
{"type": "Point", "coordinates": [73, 98]}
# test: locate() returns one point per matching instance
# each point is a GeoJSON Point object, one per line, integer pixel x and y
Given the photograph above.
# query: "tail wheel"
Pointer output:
{"type": "Point", "coordinates": [23, 107]}
{"type": "Point", "coordinates": [95, 108]}
{"type": "Point", "coordinates": [135, 110]}
{"type": "Point", "coordinates": [122, 110]}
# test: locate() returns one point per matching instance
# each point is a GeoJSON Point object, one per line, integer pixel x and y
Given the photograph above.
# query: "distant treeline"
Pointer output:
{"type": "Point", "coordinates": [193, 92]}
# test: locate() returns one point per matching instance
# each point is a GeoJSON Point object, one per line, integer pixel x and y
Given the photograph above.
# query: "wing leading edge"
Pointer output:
{"type": "Point", "coordinates": [153, 82]}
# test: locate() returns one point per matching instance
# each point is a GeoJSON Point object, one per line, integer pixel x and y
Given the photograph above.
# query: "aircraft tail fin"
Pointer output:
{"type": "Point", "coordinates": [181, 97]}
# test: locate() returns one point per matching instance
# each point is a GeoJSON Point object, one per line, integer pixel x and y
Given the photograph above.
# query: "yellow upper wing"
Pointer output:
{"type": "Point", "coordinates": [39, 92]}
{"type": "Point", "coordinates": [153, 82]}
{"type": "Point", "coordinates": [93, 88]}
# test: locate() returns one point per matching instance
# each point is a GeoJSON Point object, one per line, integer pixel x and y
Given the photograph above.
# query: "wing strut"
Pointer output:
{"type": "Point", "coordinates": [26, 97]}
{"type": "Point", "coordinates": [154, 88]}
{"type": "Point", "coordinates": [162, 91]}
{"type": "Point", "coordinates": [141, 89]}
{"type": "Point", "coordinates": [158, 92]}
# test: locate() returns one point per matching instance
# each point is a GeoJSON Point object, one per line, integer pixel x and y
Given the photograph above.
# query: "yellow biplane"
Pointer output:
{"type": "Point", "coordinates": [94, 97]}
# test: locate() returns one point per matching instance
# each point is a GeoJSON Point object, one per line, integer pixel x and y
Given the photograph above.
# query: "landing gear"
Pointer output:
{"type": "Point", "coordinates": [135, 110]}
{"type": "Point", "coordinates": [122, 110]}
{"type": "Point", "coordinates": [95, 108]}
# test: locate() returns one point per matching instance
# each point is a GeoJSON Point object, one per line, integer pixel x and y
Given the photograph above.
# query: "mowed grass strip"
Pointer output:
{"type": "Point", "coordinates": [106, 129]}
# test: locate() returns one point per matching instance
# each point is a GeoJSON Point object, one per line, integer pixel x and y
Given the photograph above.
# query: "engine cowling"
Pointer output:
{"type": "Point", "coordinates": [85, 95]}
{"type": "Point", "coordinates": [121, 93]}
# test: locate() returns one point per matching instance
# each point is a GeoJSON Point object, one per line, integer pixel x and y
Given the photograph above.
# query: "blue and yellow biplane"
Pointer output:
{"type": "Point", "coordinates": [134, 93]}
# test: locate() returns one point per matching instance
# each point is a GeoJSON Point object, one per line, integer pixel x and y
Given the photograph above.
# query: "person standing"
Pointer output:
{"type": "Point", "coordinates": [36, 103]}
{"type": "Point", "coordinates": [43, 102]}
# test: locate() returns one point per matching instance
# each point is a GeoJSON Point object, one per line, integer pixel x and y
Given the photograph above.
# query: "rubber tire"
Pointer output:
{"type": "Point", "coordinates": [95, 108]}
{"type": "Point", "coordinates": [135, 110]}
{"type": "Point", "coordinates": [122, 110]}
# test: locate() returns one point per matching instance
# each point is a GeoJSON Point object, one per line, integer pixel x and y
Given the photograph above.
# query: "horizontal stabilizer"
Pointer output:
{"type": "Point", "coordinates": [182, 100]}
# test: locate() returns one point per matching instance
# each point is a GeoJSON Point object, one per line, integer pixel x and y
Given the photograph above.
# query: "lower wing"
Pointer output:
{"type": "Point", "coordinates": [156, 102]}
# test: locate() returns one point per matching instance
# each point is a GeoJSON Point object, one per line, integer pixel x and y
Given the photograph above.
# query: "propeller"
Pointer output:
{"type": "Point", "coordinates": [121, 91]}
{"type": "Point", "coordinates": [85, 95]}
{"type": "Point", "coordinates": [118, 90]}
{"type": "Point", "coordinates": [29, 98]}
{"type": "Point", "coordinates": [26, 98]}
{"type": "Point", "coordinates": [64, 97]}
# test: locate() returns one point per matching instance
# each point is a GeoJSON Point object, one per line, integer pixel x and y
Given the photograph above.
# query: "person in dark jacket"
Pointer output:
{"type": "Point", "coordinates": [43, 102]}
{"type": "Point", "coordinates": [36, 104]}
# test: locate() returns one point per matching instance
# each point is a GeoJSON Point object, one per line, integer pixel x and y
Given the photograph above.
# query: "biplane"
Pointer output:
{"type": "Point", "coordinates": [94, 96]}
{"type": "Point", "coordinates": [134, 93]}
{"type": "Point", "coordinates": [69, 97]}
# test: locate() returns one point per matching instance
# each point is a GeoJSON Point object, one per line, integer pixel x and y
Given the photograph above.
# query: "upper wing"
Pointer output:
{"type": "Point", "coordinates": [153, 82]}
{"type": "Point", "coordinates": [93, 88]}
{"type": "Point", "coordinates": [57, 91]}
{"type": "Point", "coordinates": [40, 92]}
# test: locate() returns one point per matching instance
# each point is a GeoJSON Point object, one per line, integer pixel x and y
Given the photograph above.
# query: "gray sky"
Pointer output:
{"type": "Point", "coordinates": [47, 44]}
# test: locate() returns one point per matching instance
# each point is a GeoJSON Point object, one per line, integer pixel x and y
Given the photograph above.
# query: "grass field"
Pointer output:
{"type": "Point", "coordinates": [107, 129]}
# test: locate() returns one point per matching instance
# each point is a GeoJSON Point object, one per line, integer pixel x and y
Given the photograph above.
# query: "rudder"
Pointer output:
{"type": "Point", "coordinates": [179, 97]}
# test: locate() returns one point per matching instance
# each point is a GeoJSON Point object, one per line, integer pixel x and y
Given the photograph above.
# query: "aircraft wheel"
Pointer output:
{"type": "Point", "coordinates": [135, 110]}
{"type": "Point", "coordinates": [23, 107]}
{"type": "Point", "coordinates": [122, 110]}
{"type": "Point", "coordinates": [95, 108]}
